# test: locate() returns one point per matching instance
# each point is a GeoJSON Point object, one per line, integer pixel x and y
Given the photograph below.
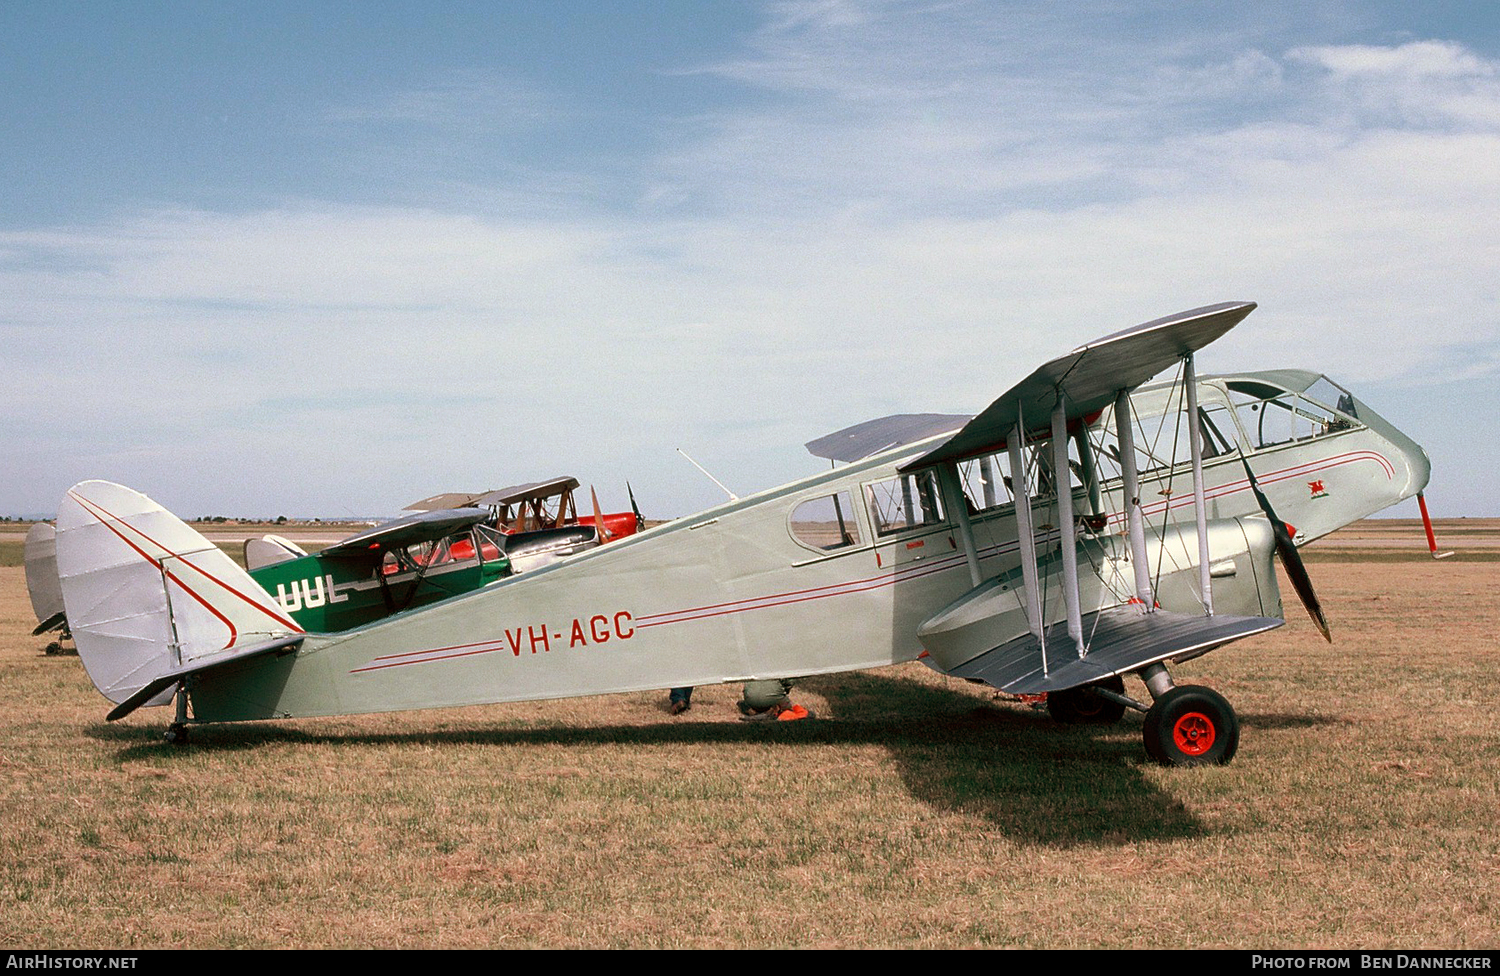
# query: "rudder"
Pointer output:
{"type": "Point", "coordinates": [148, 597]}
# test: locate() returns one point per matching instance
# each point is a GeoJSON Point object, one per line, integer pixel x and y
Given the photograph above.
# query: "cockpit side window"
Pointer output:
{"type": "Point", "coordinates": [425, 555]}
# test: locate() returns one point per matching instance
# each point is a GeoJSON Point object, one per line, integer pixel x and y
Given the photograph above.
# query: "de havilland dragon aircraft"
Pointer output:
{"type": "Point", "coordinates": [1083, 528]}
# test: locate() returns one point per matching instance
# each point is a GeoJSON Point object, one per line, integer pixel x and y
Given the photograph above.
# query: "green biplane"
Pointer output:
{"type": "Point", "coordinates": [401, 565]}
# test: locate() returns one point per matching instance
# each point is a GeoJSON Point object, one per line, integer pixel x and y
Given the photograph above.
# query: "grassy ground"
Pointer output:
{"type": "Point", "coordinates": [916, 812]}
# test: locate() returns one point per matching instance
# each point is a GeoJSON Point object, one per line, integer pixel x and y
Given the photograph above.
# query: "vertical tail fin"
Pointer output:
{"type": "Point", "coordinates": [147, 597]}
{"type": "Point", "coordinates": [41, 577]}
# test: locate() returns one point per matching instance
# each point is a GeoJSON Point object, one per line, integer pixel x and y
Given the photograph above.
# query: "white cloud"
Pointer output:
{"type": "Point", "coordinates": [1422, 83]}
{"type": "Point", "coordinates": [1418, 59]}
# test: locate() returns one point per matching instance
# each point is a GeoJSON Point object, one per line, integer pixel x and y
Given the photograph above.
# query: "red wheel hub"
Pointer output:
{"type": "Point", "coordinates": [1193, 733]}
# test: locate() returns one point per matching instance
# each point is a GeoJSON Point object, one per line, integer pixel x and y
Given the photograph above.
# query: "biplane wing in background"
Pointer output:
{"type": "Point", "coordinates": [537, 506]}
{"type": "Point", "coordinates": [1051, 544]}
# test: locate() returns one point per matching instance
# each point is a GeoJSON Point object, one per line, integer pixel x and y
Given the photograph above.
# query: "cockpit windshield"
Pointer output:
{"type": "Point", "coordinates": [1271, 415]}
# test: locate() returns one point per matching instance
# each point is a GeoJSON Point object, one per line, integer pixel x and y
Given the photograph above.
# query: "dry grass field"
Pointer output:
{"type": "Point", "coordinates": [915, 812]}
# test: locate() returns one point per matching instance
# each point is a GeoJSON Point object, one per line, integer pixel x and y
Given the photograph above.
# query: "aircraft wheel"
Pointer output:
{"type": "Point", "coordinates": [1191, 725]}
{"type": "Point", "coordinates": [1080, 706]}
{"type": "Point", "coordinates": [177, 734]}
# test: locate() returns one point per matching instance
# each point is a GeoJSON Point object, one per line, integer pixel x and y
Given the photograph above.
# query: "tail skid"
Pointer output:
{"type": "Point", "coordinates": [151, 601]}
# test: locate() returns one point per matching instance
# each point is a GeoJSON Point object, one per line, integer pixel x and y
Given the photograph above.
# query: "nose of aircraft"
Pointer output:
{"type": "Point", "coordinates": [1413, 467]}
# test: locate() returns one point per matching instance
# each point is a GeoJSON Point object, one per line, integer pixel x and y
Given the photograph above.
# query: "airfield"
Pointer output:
{"type": "Point", "coordinates": [915, 811]}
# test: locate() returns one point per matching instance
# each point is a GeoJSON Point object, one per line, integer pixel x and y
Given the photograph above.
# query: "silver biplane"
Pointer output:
{"type": "Point", "coordinates": [1082, 528]}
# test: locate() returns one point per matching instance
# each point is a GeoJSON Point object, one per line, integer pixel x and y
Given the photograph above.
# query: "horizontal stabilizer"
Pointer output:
{"type": "Point", "coordinates": [1121, 639]}
{"type": "Point", "coordinates": [1089, 377]}
{"type": "Point", "coordinates": [269, 550]}
{"type": "Point", "coordinates": [54, 622]}
{"type": "Point", "coordinates": [171, 676]}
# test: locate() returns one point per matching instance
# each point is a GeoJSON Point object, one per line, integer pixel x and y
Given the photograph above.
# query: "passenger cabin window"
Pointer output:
{"type": "Point", "coordinates": [986, 481]}
{"type": "Point", "coordinates": [826, 523]}
{"type": "Point", "coordinates": [425, 555]}
{"type": "Point", "coordinates": [1162, 435]}
{"type": "Point", "coordinates": [904, 503]}
{"type": "Point", "coordinates": [1219, 433]}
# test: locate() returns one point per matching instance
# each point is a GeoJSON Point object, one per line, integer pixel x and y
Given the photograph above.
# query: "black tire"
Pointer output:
{"type": "Point", "coordinates": [177, 734]}
{"type": "Point", "coordinates": [1080, 706]}
{"type": "Point", "coordinates": [1191, 726]}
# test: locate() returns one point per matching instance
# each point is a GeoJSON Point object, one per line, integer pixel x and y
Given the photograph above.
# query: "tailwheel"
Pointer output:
{"type": "Point", "coordinates": [1191, 725]}
{"type": "Point", "coordinates": [177, 734]}
{"type": "Point", "coordinates": [1081, 706]}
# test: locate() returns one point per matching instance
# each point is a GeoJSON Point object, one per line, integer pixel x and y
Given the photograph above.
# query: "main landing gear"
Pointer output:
{"type": "Point", "coordinates": [1187, 725]}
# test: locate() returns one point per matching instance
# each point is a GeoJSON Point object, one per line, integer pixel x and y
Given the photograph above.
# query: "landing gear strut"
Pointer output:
{"type": "Point", "coordinates": [1081, 706]}
{"type": "Point", "coordinates": [177, 733]}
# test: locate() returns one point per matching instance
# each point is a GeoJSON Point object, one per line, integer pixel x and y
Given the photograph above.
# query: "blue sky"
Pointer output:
{"type": "Point", "coordinates": [323, 259]}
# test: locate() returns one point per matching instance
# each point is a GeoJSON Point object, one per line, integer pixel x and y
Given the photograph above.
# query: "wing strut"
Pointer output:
{"type": "Point", "coordinates": [1134, 517]}
{"type": "Point", "coordinates": [954, 501]}
{"type": "Point", "coordinates": [1025, 528]}
{"type": "Point", "coordinates": [1200, 506]}
{"type": "Point", "coordinates": [1065, 521]}
{"type": "Point", "coordinates": [1135, 520]}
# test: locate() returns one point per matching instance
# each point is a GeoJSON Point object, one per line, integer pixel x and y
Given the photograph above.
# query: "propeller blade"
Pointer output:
{"type": "Point", "coordinates": [640, 520]}
{"type": "Point", "coordinates": [1291, 559]}
{"type": "Point", "coordinates": [598, 518]}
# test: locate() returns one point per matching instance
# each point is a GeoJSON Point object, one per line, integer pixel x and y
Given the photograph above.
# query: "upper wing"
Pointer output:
{"type": "Point", "coordinates": [526, 492]}
{"type": "Point", "coordinates": [1089, 378]}
{"type": "Point", "coordinates": [499, 496]}
{"type": "Point", "coordinates": [450, 499]}
{"type": "Point", "coordinates": [422, 527]}
{"type": "Point", "coordinates": [883, 434]}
